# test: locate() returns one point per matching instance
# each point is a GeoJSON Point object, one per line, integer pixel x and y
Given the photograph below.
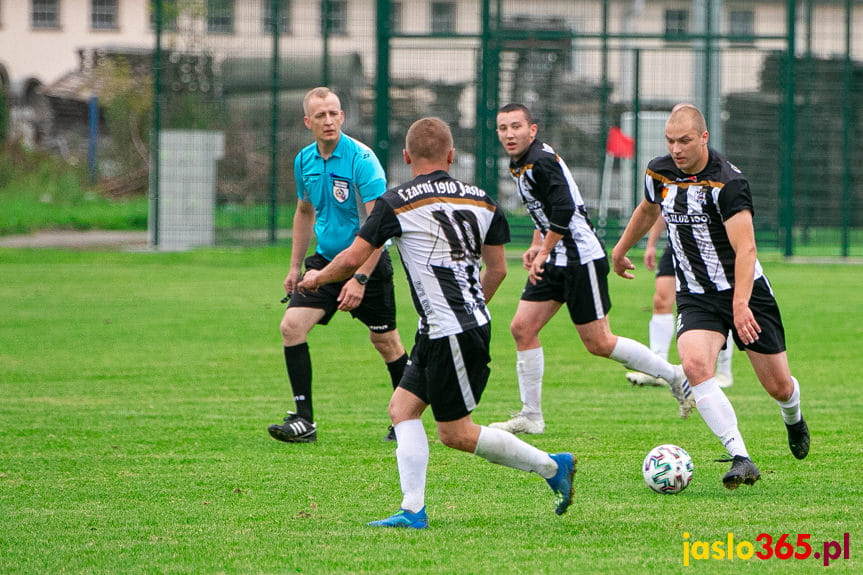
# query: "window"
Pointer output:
{"type": "Point", "coordinates": [395, 17]}
{"type": "Point", "coordinates": [103, 15]}
{"type": "Point", "coordinates": [338, 21]}
{"type": "Point", "coordinates": [443, 17]}
{"type": "Point", "coordinates": [284, 17]}
{"type": "Point", "coordinates": [741, 23]}
{"type": "Point", "coordinates": [220, 16]}
{"type": "Point", "coordinates": [169, 14]}
{"type": "Point", "coordinates": [45, 14]}
{"type": "Point", "coordinates": [676, 23]}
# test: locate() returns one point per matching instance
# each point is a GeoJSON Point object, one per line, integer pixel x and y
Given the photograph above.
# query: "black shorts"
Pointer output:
{"type": "Point", "coordinates": [666, 264]}
{"type": "Point", "coordinates": [714, 312]}
{"type": "Point", "coordinates": [449, 373]}
{"type": "Point", "coordinates": [583, 288]}
{"type": "Point", "coordinates": [378, 308]}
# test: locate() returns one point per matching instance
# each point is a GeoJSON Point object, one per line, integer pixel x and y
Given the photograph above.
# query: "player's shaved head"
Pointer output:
{"type": "Point", "coordinates": [686, 113]}
{"type": "Point", "coordinates": [429, 139]}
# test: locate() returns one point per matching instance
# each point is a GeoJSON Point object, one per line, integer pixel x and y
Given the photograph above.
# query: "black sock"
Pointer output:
{"type": "Point", "coordinates": [397, 368]}
{"type": "Point", "coordinates": [299, 364]}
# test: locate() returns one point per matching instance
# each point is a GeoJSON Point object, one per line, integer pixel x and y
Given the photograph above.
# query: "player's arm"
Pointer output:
{"type": "Point", "coordinates": [342, 266]}
{"type": "Point", "coordinates": [741, 235]}
{"type": "Point", "coordinates": [642, 219]}
{"type": "Point", "coordinates": [537, 265]}
{"type": "Point", "coordinates": [551, 183]}
{"type": "Point", "coordinates": [653, 239]}
{"type": "Point", "coordinates": [493, 271]}
{"type": "Point", "coordinates": [304, 225]}
{"type": "Point", "coordinates": [353, 291]}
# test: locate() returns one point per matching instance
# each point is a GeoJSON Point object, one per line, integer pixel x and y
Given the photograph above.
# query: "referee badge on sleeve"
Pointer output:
{"type": "Point", "coordinates": [341, 190]}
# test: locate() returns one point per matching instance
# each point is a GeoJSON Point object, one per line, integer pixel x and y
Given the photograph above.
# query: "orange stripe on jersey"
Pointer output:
{"type": "Point", "coordinates": [682, 184]}
{"type": "Point", "coordinates": [449, 200]}
{"type": "Point", "coordinates": [517, 172]}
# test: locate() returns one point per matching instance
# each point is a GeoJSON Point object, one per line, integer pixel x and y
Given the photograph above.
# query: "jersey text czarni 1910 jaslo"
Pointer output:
{"type": "Point", "coordinates": [440, 225]}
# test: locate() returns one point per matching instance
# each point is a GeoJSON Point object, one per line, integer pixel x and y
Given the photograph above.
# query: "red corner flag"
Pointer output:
{"type": "Point", "coordinates": [619, 144]}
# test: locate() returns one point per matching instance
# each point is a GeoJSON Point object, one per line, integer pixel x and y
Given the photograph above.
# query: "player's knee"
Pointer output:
{"type": "Point", "coordinates": [697, 368]}
{"type": "Point", "coordinates": [521, 330]}
{"type": "Point", "coordinates": [453, 440]}
{"type": "Point", "coordinates": [599, 346]}
{"type": "Point", "coordinates": [662, 304]}
{"type": "Point", "coordinates": [387, 344]}
{"type": "Point", "coordinates": [291, 329]}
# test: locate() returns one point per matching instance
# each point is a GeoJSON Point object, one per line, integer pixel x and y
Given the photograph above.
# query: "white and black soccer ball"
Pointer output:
{"type": "Point", "coordinates": [667, 469]}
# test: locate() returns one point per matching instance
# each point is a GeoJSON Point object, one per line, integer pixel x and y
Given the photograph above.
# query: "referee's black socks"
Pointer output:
{"type": "Point", "coordinates": [299, 364]}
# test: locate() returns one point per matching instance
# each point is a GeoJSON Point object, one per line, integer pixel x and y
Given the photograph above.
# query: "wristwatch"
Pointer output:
{"type": "Point", "coordinates": [362, 279]}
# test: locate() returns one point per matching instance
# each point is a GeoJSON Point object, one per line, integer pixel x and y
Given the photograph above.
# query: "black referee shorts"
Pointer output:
{"type": "Point", "coordinates": [378, 308]}
{"type": "Point", "coordinates": [714, 312]}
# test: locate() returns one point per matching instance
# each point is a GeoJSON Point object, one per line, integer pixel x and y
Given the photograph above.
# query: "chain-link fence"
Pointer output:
{"type": "Point", "coordinates": [229, 76]}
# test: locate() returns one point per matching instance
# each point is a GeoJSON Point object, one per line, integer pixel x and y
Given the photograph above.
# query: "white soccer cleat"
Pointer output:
{"type": "Point", "coordinates": [643, 379]}
{"type": "Point", "coordinates": [682, 392]}
{"type": "Point", "coordinates": [724, 379]}
{"type": "Point", "coordinates": [521, 423]}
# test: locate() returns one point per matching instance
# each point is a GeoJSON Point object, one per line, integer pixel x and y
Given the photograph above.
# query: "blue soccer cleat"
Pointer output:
{"type": "Point", "coordinates": [561, 483]}
{"type": "Point", "coordinates": [404, 518]}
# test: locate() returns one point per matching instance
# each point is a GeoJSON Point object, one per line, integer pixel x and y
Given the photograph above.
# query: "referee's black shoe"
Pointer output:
{"type": "Point", "coordinates": [391, 434]}
{"type": "Point", "coordinates": [742, 471]}
{"type": "Point", "coordinates": [294, 429]}
{"type": "Point", "coordinates": [798, 438]}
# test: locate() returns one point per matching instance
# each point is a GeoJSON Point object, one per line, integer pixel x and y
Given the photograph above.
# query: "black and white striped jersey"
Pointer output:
{"type": "Point", "coordinates": [440, 225]}
{"type": "Point", "coordinates": [551, 196]}
{"type": "Point", "coordinates": [695, 208]}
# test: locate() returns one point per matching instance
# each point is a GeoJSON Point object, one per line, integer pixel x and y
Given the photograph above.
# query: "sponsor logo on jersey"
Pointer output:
{"type": "Point", "coordinates": [341, 190]}
{"type": "Point", "coordinates": [687, 219]}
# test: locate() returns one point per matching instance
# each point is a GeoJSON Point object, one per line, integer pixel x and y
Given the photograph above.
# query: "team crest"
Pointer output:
{"type": "Point", "coordinates": [341, 190]}
{"type": "Point", "coordinates": [700, 196]}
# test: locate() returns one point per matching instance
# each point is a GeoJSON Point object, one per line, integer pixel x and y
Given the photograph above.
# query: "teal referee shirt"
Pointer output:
{"type": "Point", "coordinates": [332, 186]}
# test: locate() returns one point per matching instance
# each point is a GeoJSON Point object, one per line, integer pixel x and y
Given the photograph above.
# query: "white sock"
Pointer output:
{"type": "Point", "coordinates": [791, 407]}
{"type": "Point", "coordinates": [718, 414]}
{"type": "Point", "coordinates": [661, 330]}
{"type": "Point", "coordinates": [637, 356]}
{"type": "Point", "coordinates": [723, 363]}
{"type": "Point", "coordinates": [412, 455]}
{"type": "Point", "coordinates": [529, 366]}
{"type": "Point", "coordinates": [504, 448]}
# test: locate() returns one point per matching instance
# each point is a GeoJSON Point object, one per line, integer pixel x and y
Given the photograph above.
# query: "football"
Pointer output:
{"type": "Point", "coordinates": [667, 469]}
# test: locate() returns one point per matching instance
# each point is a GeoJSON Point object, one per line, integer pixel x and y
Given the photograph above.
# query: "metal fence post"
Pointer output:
{"type": "Point", "coordinates": [847, 124]}
{"type": "Point", "coordinates": [157, 124]}
{"type": "Point", "coordinates": [274, 125]}
{"type": "Point", "coordinates": [786, 192]}
{"type": "Point", "coordinates": [382, 88]}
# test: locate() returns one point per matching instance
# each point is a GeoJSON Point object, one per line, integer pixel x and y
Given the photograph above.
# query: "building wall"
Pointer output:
{"type": "Point", "coordinates": [45, 55]}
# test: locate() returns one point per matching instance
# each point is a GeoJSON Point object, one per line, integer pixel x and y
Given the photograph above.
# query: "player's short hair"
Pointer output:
{"type": "Point", "coordinates": [429, 138]}
{"type": "Point", "coordinates": [319, 92]}
{"type": "Point", "coordinates": [691, 113]}
{"type": "Point", "coordinates": [514, 107]}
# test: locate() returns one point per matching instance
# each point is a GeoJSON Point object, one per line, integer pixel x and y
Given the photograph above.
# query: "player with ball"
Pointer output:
{"type": "Point", "coordinates": [707, 206]}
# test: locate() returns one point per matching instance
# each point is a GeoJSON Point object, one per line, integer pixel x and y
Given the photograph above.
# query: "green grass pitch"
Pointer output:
{"type": "Point", "coordinates": [136, 388]}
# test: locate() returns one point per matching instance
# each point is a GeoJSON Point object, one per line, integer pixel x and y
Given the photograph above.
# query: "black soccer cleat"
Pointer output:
{"type": "Point", "coordinates": [294, 429]}
{"type": "Point", "coordinates": [798, 438]}
{"type": "Point", "coordinates": [742, 471]}
{"type": "Point", "coordinates": [391, 434]}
